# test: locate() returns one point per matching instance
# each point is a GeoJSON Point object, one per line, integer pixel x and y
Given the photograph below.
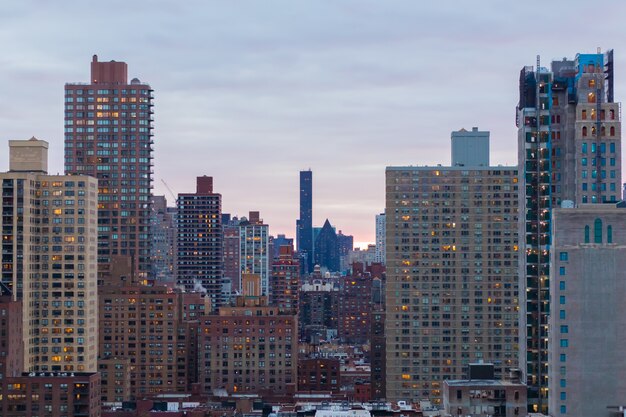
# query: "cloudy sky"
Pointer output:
{"type": "Point", "coordinates": [252, 92]}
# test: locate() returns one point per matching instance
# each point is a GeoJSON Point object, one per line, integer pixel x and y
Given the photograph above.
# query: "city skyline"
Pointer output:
{"type": "Point", "coordinates": [345, 89]}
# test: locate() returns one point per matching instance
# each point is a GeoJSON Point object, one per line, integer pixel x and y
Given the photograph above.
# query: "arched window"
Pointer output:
{"type": "Point", "coordinates": [593, 130]}
{"type": "Point", "coordinates": [612, 130]}
{"type": "Point", "coordinates": [587, 234]}
{"type": "Point", "coordinates": [612, 113]}
{"type": "Point", "coordinates": [603, 130]}
{"type": "Point", "coordinates": [584, 114]}
{"type": "Point", "coordinates": [597, 231]}
{"type": "Point", "coordinates": [609, 234]}
{"type": "Point", "coordinates": [584, 131]}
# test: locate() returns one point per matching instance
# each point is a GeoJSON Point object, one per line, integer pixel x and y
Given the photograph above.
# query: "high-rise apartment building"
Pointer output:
{"type": "Point", "coordinates": [380, 239]}
{"type": "Point", "coordinates": [164, 241]}
{"type": "Point", "coordinates": [569, 149]}
{"type": "Point", "coordinates": [254, 253]}
{"type": "Point", "coordinates": [318, 310]}
{"type": "Point", "coordinates": [304, 235]}
{"type": "Point", "coordinates": [452, 267]}
{"type": "Point", "coordinates": [285, 280]}
{"type": "Point", "coordinates": [143, 335]}
{"type": "Point", "coordinates": [355, 306]}
{"type": "Point", "coordinates": [49, 234]}
{"type": "Point", "coordinates": [108, 135]}
{"type": "Point", "coordinates": [587, 321]}
{"type": "Point", "coordinates": [250, 347]}
{"type": "Point", "coordinates": [232, 258]}
{"type": "Point", "coordinates": [200, 241]}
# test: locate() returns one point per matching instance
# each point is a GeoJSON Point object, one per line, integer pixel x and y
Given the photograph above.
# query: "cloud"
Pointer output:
{"type": "Point", "coordinates": [251, 92]}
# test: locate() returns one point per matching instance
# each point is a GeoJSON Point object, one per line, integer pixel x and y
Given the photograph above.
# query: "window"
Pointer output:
{"type": "Point", "coordinates": [562, 314]}
{"type": "Point", "coordinates": [563, 256]}
{"type": "Point", "coordinates": [564, 329]}
{"type": "Point", "coordinates": [584, 131]}
{"type": "Point", "coordinates": [562, 285]}
{"type": "Point", "coordinates": [584, 146]}
{"type": "Point", "coordinates": [564, 342]}
{"type": "Point", "coordinates": [563, 357]}
{"type": "Point", "coordinates": [562, 270]}
{"type": "Point", "coordinates": [583, 161]}
{"type": "Point", "coordinates": [586, 228]}
{"type": "Point", "coordinates": [609, 234]}
{"type": "Point", "coordinates": [563, 409]}
{"type": "Point", "coordinates": [562, 299]}
{"type": "Point", "coordinates": [597, 231]}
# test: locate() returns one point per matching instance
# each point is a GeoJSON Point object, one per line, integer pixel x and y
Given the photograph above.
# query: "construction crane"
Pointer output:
{"type": "Point", "coordinates": [171, 192]}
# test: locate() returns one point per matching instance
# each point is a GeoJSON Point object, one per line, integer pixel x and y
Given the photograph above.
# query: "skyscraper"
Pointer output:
{"type": "Point", "coordinates": [108, 135]}
{"type": "Point", "coordinates": [163, 249]}
{"type": "Point", "coordinates": [232, 247]}
{"type": "Point", "coordinates": [254, 256]}
{"type": "Point", "coordinates": [380, 238]}
{"type": "Point", "coordinates": [48, 259]}
{"type": "Point", "coordinates": [304, 234]}
{"type": "Point", "coordinates": [285, 281]}
{"type": "Point", "coordinates": [200, 241]}
{"type": "Point", "coordinates": [569, 149]}
{"type": "Point", "coordinates": [452, 275]}
{"type": "Point", "coordinates": [327, 248]}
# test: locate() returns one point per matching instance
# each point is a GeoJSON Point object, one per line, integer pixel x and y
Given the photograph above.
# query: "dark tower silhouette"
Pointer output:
{"type": "Point", "coordinates": [327, 248]}
{"type": "Point", "coordinates": [304, 234]}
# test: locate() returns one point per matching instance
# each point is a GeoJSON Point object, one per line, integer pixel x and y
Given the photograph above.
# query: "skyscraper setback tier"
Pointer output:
{"type": "Point", "coordinates": [569, 149]}
{"type": "Point", "coordinates": [452, 267]}
{"type": "Point", "coordinates": [108, 135]}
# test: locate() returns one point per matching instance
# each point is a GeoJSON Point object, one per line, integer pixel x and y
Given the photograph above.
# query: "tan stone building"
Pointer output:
{"type": "Point", "coordinates": [49, 233]}
{"type": "Point", "coordinates": [586, 366]}
{"type": "Point", "coordinates": [452, 265]}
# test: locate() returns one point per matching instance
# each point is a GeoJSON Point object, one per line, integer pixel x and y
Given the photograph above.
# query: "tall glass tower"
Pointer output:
{"type": "Point", "coordinates": [304, 235]}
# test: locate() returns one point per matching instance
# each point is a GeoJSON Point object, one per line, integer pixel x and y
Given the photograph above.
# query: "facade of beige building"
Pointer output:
{"type": "Point", "coordinates": [452, 265]}
{"type": "Point", "coordinates": [49, 249]}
